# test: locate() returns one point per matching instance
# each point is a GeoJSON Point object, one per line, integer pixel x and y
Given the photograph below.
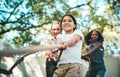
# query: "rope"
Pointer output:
{"type": "Point", "coordinates": [30, 50]}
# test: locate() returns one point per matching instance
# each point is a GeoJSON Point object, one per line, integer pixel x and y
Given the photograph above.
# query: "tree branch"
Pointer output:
{"type": "Point", "coordinates": [13, 11]}
{"type": "Point", "coordinates": [24, 29]}
{"type": "Point", "coordinates": [80, 5]}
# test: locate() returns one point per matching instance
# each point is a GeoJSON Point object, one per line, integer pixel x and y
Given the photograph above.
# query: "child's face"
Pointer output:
{"type": "Point", "coordinates": [68, 24]}
{"type": "Point", "coordinates": [94, 36]}
{"type": "Point", "coordinates": [55, 30]}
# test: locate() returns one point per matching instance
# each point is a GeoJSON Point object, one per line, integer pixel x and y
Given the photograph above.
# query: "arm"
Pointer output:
{"type": "Point", "coordinates": [94, 49]}
{"type": "Point", "coordinates": [72, 41]}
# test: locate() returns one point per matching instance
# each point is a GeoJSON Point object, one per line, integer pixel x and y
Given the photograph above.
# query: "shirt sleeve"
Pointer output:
{"type": "Point", "coordinates": [59, 36]}
{"type": "Point", "coordinates": [45, 39]}
{"type": "Point", "coordinates": [79, 33]}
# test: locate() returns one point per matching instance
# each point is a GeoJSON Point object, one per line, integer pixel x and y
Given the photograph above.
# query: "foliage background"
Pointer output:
{"type": "Point", "coordinates": [25, 22]}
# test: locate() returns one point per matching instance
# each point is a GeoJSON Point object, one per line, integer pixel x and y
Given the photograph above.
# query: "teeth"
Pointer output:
{"type": "Point", "coordinates": [67, 26]}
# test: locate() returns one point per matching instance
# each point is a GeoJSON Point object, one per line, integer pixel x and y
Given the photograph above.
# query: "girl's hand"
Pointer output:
{"type": "Point", "coordinates": [53, 57]}
{"type": "Point", "coordinates": [64, 46]}
{"type": "Point", "coordinates": [85, 57]}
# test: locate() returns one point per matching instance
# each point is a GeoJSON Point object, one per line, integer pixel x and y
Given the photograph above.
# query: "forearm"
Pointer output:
{"type": "Point", "coordinates": [72, 41]}
{"type": "Point", "coordinates": [94, 49]}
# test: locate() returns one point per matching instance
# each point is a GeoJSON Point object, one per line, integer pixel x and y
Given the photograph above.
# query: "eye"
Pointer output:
{"type": "Point", "coordinates": [56, 29]}
{"type": "Point", "coordinates": [64, 20]}
{"type": "Point", "coordinates": [69, 20]}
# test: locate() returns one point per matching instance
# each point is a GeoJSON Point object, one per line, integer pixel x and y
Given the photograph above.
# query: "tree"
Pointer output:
{"type": "Point", "coordinates": [21, 15]}
{"type": "Point", "coordinates": [28, 18]}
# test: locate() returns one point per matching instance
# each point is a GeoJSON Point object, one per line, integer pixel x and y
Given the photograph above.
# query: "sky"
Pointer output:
{"type": "Point", "coordinates": [72, 3]}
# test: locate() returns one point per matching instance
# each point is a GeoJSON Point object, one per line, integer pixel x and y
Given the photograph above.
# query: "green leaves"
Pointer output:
{"type": "Point", "coordinates": [24, 16]}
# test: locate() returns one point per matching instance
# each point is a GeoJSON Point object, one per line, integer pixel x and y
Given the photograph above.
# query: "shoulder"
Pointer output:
{"type": "Point", "coordinates": [46, 39]}
{"type": "Point", "coordinates": [78, 32]}
{"type": "Point", "coordinates": [59, 35]}
{"type": "Point", "coordinates": [98, 43]}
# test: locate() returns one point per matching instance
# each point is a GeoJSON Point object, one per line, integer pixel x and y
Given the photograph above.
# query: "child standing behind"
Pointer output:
{"type": "Point", "coordinates": [95, 53]}
{"type": "Point", "coordinates": [52, 54]}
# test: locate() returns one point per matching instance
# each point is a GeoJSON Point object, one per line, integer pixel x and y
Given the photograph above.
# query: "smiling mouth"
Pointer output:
{"type": "Point", "coordinates": [67, 26]}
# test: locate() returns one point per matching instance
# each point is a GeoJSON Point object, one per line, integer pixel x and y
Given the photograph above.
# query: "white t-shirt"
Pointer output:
{"type": "Point", "coordinates": [71, 54]}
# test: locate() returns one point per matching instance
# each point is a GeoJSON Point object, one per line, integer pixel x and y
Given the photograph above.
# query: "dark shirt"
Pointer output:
{"type": "Point", "coordinates": [97, 56]}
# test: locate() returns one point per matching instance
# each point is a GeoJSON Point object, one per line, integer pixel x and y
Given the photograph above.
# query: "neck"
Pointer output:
{"type": "Point", "coordinates": [54, 37]}
{"type": "Point", "coordinates": [93, 42]}
{"type": "Point", "coordinates": [69, 32]}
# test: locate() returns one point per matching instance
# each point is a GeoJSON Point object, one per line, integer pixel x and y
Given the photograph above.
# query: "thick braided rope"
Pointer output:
{"type": "Point", "coordinates": [28, 50]}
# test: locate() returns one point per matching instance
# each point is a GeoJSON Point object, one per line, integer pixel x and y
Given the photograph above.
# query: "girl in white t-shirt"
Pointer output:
{"type": "Point", "coordinates": [69, 63]}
